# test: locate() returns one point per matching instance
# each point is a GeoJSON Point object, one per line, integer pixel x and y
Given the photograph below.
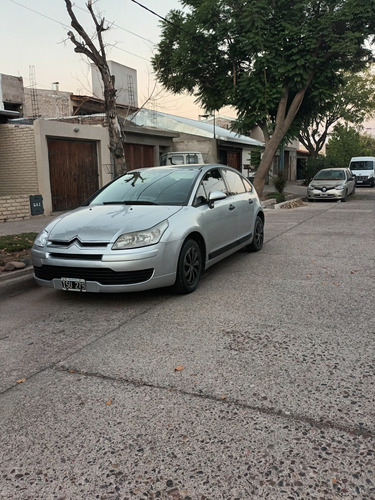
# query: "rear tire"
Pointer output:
{"type": "Point", "coordinates": [258, 238]}
{"type": "Point", "coordinates": [189, 267]}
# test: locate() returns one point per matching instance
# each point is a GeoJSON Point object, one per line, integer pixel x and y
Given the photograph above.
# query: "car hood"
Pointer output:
{"type": "Point", "coordinates": [105, 223]}
{"type": "Point", "coordinates": [328, 183]}
{"type": "Point", "coordinates": [368, 171]}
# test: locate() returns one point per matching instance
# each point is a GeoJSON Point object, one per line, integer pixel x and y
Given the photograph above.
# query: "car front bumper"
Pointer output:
{"type": "Point", "coordinates": [331, 194]}
{"type": "Point", "coordinates": [364, 180]}
{"type": "Point", "coordinates": [113, 271]}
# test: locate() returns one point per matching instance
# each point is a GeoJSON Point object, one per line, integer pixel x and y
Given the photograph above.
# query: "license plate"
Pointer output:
{"type": "Point", "coordinates": [359, 182]}
{"type": "Point", "coordinates": [324, 194]}
{"type": "Point", "coordinates": [73, 284]}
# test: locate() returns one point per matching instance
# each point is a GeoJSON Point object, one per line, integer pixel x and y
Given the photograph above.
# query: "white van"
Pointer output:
{"type": "Point", "coordinates": [181, 158]}
{"type": "Point", "coordinates": [363, 167]}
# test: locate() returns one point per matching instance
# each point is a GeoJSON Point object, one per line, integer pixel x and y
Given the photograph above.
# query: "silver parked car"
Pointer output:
{"type": "Point", "coordinates": [331, 184]}
{"type": "Point", "coordinates": [151, 228]}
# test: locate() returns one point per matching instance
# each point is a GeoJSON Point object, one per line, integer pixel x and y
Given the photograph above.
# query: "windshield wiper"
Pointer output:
{"type": "Point", "coordinates": [135, 202]}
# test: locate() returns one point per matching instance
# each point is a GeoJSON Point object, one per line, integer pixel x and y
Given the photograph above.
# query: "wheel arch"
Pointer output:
{"type": "Point", "coordinates": [196, 236]}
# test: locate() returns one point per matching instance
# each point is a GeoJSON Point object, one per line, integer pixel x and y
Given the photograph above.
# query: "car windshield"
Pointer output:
{"type": "Point", "coordinates": [330, 175]}
{"type": "Point", "coordinates": [149, 187]}
{"type": "Point", "coordinates": [361, 165]}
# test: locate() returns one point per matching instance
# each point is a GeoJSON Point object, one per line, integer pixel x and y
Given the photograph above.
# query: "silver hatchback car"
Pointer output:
{"type": "Point", "coordinates": [331, 184]}
{"type": "Point", "coordinates": [151, 228]}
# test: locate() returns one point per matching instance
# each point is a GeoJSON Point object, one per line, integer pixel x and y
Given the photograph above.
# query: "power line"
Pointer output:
{"type": "Point", "coordinates": [68, 27]}
{"type": "Point", "coordinates": [40, 14]}
{"type": "Point", "coordinates": [120, 27]}
{"type": "Point", "coordinates": [164, 19]}
{"type": "Point", "coordinates": [152, 12]}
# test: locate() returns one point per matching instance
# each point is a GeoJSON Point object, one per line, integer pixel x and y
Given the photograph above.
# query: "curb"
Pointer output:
{"type": "Point", "coordinates": [272, 204]}
{"type": "Point", "coordinates": [278, 206]}
{"type": "Point", "coordinates": [16, 282]}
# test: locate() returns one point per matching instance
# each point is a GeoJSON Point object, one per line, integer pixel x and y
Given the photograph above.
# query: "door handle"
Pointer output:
{"type": "Point", "coordinates": [232, 207]}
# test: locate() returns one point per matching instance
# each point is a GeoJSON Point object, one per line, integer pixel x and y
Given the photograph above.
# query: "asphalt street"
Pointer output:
{"type": "Point", "coordinates": [258, 385]}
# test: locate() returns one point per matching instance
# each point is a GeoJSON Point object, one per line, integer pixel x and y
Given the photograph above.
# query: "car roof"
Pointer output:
{"type": "Point", "coordinates": [193, 166]}
{"type": "Point", "coordinates": [333, 168]}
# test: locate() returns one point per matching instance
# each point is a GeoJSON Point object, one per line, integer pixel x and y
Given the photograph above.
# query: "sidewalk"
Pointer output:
{"type": "Point", "coordinates": [15, 282]}
{"type": "Point", "coordinates": [33, 225]}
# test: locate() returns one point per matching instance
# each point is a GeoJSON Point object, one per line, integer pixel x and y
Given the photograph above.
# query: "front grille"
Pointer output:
{"type": "Point", "coordinates": [102, 276]}
{"type": "Point", "coordinates": [66, 244]}
{"type": "Point", "coordinates": [68, 256]}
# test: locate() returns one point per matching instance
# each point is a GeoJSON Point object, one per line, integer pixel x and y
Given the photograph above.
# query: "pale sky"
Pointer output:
{"type": "Point", "coordinates": [33, 33]}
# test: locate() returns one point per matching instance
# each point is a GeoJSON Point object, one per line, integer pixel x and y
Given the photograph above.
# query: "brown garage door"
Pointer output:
{"type": "Point", "coordinates": [139, 155]}
{"type": "Point", "coordinates": [233, 160]}
{"type": "Point", "coordinates": [73, 167]}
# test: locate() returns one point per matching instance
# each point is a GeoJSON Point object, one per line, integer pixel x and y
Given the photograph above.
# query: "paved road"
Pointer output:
{"type": "Point", "coordinates": [275, 393]}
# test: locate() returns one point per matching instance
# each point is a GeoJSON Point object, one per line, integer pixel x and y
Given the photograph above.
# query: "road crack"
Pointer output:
{"type": "Point", "coordinates": [320, 423]}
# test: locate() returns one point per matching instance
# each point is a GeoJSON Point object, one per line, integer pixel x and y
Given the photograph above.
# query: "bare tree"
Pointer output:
{"type": "Point", "coordinates": [86, 46]}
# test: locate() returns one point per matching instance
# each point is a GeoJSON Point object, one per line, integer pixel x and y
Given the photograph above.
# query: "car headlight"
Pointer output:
{"type": "Point", "coordinates": [310, 187]}
{"type": "Point", "coordinates": [41, 239]}
{"type": "Point", "coordinates": [340, 187]}
{"type": "Point", "coordinates": [141, 238]}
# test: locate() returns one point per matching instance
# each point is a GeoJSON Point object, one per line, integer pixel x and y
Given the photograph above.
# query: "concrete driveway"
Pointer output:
{"type": "Point", "coordinates": [258, 385]}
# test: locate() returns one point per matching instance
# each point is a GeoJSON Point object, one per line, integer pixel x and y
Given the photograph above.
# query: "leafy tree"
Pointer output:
{"type": "Point", "coordinates": [85, 45]}
{"type": "Point", "coordinates": [312, 166]}
{"type": "Point", "coordinates": [263, 57]}
{"type": "Point", "coordinates": [353, 102]}
{"type": "Point", "coordinates": [344, 143]}
{"type": "Point", "coordinates": [367, 145]}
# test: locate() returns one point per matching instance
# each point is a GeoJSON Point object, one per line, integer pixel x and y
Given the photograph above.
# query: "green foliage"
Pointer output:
{"type": "Point", "coordinates": [279, 197]}
{"type": "Point", "coordinates": [255, 158]}
{"type": "Point", "coordinates": [249, 53]}
{"type": "Point", "coordinates": [279, 181]}
{"type": "Point", "coordinates": [353, 101]}
{"type": "Point", "coordinates": [367, 145]}
{"type": "Point", "coordinates": [312, 166]}
{"type": "Point", "coordinates": [344, 143]}
{"type": "Point", "coordinates": [272, 61]}
{"type": "Point", "coordinates": [17, 242]}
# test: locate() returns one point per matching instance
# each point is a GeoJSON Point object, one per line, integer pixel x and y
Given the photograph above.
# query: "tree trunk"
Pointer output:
{"type": "Point", "coordinates": [116, 145]}
{"type": "Point", "coordinates": [266, 161]}
{"type": "Point", "coordinates": [98, 57]}
{"type": "Point", "coordinates": [284, 119]}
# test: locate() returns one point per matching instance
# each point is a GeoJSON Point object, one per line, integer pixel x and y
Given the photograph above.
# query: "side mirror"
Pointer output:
{"type": "Point", "coordinates": [215, 196]}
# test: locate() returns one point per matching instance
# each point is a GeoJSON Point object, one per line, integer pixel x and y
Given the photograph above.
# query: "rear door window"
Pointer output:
{"type": "Point", "coordinates": [234, 181]}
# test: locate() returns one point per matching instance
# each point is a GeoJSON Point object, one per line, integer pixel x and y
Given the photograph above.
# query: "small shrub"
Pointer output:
{"type": "Point", "coordinates": [279, 181]}
{"type": "Point", "coordinates": [280, 197]}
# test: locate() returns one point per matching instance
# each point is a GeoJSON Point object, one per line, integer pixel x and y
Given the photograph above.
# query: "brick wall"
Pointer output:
{"type": "Point", "coordinates": [14, 208]}
{"type": "Point", "coordinates": [18, 166]}
{"type": "Point", "coordinates": [51, 103]}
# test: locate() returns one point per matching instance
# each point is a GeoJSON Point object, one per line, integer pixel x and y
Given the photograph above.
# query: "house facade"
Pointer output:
{"type": "Point", "coordinates": [217, 144]}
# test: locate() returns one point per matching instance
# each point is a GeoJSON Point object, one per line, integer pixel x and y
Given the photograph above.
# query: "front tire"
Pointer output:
{"type": "Point", "coordinates": [258, 238]}
{"type": "Point", "coordinates": [189, 267]}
